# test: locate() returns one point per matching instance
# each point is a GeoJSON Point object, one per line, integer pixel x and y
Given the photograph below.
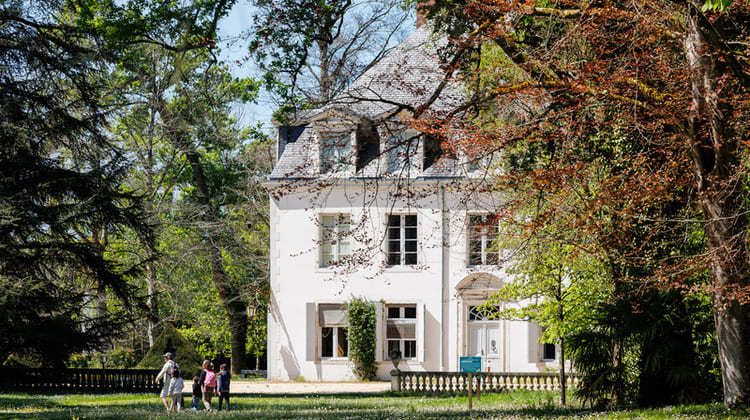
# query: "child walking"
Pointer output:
{"type": "Point", "coordinates": [175, 389]}
{"type": "Point", "coordinates": [223, 385]}
{"type": "Point", "coordinates": [197, 393]}
{"type": "Point", "coordinates": [209, 383]}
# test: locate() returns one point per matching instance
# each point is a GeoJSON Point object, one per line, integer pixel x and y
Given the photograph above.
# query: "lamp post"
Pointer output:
{"type": "Point", "coordinates": [395, 356]}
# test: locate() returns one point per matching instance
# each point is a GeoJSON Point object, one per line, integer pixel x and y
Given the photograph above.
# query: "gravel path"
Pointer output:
{"type": "Point", "coordinates": [264, 387]}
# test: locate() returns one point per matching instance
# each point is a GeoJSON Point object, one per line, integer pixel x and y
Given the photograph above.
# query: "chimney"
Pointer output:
{"type": "Point", "coordinates": [423, 7]}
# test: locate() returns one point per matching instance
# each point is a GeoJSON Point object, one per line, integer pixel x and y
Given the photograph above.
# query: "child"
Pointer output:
{"type": "Point", "coordinates": [197, 393]}
{"type": "Point", "coordinates": [175, 389]}
{"type": "Point", "coordinates": [223, 385]}
{"type": "Point", "coordinates": [209, 384]}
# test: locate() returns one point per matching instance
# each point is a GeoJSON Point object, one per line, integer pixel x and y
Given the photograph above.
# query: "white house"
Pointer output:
{"type": "Point", "coordinates": [364, 206]}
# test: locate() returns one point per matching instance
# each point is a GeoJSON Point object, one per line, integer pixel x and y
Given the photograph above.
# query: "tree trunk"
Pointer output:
{"type": "Point", "coordinates": [152, 304]}
{"type": "Point", "coordinates": [562, 372]}
{"type": "Point", "coordinates": [152, 317]}
{"type": "Point", "coordinates": [233, 304]}
{"type": "Point", "coordinates": [325, 72]}
{"type": "Point", "coordinates": [717, 169]}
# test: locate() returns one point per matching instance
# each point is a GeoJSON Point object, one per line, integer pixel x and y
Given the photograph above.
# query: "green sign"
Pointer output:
{"type": "Point", "coordinates": [471, 364]}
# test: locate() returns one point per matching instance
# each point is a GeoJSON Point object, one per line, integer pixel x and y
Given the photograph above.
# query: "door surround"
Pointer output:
{"type": "Point", "coordinates": [474, 290]}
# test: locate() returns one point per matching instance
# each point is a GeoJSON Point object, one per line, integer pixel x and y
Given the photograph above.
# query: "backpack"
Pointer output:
{"type": "Point", "coordinates": [210, 379]}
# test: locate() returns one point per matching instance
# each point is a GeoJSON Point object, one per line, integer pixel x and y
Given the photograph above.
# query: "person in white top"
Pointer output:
{"type": "Point", "coordinates": [166, 374]}
{"type": "Point", "coordinates": [175, 388]}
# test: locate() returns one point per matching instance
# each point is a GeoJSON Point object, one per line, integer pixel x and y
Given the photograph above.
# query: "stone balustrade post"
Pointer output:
{"type": "Point", "coordinates": [396, 380]}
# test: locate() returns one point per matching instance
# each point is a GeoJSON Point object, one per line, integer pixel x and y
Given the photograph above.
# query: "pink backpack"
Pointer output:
{"type": "Point", "coordinates": [210, 379]}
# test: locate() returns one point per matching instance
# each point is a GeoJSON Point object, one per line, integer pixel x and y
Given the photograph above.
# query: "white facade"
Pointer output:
{"type": "Point", "coordinates": [344, 191]}
{"type": "Point", "coordinates": [442, 286]}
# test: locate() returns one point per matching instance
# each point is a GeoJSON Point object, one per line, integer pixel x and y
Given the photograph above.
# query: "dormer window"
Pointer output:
{"type": "Point", "coordinates": [432, 151]}
{"type": "Point", "coordinates": [335, 152]}
{"type": "Point", "coordinates": [401, 150]}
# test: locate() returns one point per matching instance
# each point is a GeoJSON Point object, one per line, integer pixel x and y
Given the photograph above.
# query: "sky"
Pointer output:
{"type": "Point", "coordinates": [233, 50]}
{"type": "Point", "coordinates": [233, 42]}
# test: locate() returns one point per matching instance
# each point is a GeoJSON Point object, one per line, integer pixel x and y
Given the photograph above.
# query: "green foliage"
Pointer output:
{"type": "Point", "coordinates": [117, 358]}
{"type": "Point", "coordinates": [362, 340]}
{"type": "Point", "coordinates": [61, 193]}
{"type": "Point", "coordinates": [170, 340]}
{"type": "Point", "coordinates": [716, 5]}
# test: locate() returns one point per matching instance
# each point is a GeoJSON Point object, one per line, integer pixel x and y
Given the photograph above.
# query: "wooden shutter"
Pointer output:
{"type": "Point", "coordinates": [420, 332]}
{"type": "Point", "coordinates": [533, 350]}
{"type": "Point", "coordinates": [311, 338]}
{"type": "Point", "coordinates": [379, 337]}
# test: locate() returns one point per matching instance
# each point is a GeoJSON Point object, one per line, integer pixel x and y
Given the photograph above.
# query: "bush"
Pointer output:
{"type": "Point", "coordinates": [171, 341]}
{"type": "Point", "coordinates": [362, 338]}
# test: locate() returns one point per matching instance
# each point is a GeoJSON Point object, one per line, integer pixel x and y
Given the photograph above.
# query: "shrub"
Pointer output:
{"type": "Point", "coordinates": [171, 341]}
{"type": "Point", "coordinates": [362, 338]}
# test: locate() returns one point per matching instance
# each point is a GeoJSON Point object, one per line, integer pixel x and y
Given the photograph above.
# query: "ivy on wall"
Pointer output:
{"type": "Point", "coordinates": [362, 339]}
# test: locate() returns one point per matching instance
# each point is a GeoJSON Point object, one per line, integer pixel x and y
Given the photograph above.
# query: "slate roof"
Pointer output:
{"type": "Point", "coordinates": [297, 161]}
{"type": "Point", "coordinates": [408, 75]}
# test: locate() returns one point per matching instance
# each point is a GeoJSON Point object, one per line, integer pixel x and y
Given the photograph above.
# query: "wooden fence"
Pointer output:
{"type": "Point", "coordinates": [458, 382]}
{"type": "Point", "coordinates": [74, 380]}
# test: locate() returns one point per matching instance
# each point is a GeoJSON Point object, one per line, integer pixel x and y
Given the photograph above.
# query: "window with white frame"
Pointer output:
{"type": "Point", "coordinates": [335, 152]}
{"type": "Point", "coordinates": [549, 350]}
{"type": "Point", "coordinates": [334, 339]}
{"type": "Point", "coordinates": [483, 231]}
{"type": "Point", "coordinates": [335, 238]}
{"type": "Point", "coordinates": [401, 150]}
{"type": "Point", "coordinates": [484, 313]}
{"type": "Point", "coordinates": [401, 331]}
{"type": "Point", "coordinates": [402, 239]}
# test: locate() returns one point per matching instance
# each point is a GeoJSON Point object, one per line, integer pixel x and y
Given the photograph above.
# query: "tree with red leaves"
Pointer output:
{"type": "Point", "coordinates": [668, 81]}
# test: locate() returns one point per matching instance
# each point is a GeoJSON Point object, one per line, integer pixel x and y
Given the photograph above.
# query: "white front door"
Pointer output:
{"type": "Point", "coordinates": [484, 340]}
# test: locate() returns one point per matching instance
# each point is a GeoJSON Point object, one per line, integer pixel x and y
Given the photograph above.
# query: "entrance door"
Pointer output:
{"type": "Point", "coordinates": [484, 340]}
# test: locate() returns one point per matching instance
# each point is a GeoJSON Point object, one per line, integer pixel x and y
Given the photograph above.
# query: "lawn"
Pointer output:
{"type": "Point", "coordinates": [521, 404]}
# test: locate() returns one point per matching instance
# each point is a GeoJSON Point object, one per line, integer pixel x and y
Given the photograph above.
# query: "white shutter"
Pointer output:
{"type": "Point", "coordinates": [379, 336]}
{"type": "Point", "coordinates": [420, 332]}
{"type": "Point", "coordinates": [311, 338]}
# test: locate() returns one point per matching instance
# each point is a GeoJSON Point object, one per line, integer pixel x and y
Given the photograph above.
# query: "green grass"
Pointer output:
{"type": "Point", "coordinates": [520, 404]}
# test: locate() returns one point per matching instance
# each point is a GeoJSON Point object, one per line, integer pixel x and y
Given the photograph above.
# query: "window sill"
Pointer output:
{"type": "Point", "coordinates": [333, 361]}
{"type": "Point", "coordinates": [401, 268]}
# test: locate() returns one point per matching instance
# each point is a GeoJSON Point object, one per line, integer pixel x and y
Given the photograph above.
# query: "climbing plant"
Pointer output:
{"type": "Point", "coordinates": [362, 337]}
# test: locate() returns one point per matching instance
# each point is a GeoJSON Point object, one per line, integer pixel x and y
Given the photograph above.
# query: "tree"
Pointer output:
{"type": "Point", "coordinates": [555, 287]}
{"type": "Point", "coordinates": [200, 127]}
{"type": "Point", "coordinates": [312, 50]}
{"type": "Point", "coordinates": [61, 182]}
{"type": "Point", "coordinates": [677, 91]}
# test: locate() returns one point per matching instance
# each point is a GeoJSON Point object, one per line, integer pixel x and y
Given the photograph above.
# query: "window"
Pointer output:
{"type": "Point", "coordinates": [484, 313]}
{"type": "Point", "coordinates": [335, 153]}
{"type": "Point", "coordinates": [548, 351]}
{"type": "Point", "coordinates": [402, 239]}
{"type": "Point", "coordinates": [400, 148]}
{"type": "Point", "coordinates": [433, 151]}
{"type": "Point", "coordinates": [401, 331]}
{"type": "Point", "coordinates": [334, 339]}
{"type": "Point", "coordinates": [483, 231]}
{"type": "Point", "coordinates": [335, 243]}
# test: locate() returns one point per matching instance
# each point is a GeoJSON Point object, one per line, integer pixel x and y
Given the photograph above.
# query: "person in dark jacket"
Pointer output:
{"type": "Point", "coordinates": [222, 389]}
{"type": "Point", "coordinates": [197, 393]}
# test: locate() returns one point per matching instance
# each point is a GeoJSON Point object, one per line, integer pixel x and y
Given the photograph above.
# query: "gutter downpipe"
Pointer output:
{"type": "Point", "coordinates": [444, 277]}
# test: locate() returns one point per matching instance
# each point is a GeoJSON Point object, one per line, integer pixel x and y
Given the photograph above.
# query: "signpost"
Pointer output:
{"type": "Point", "coordinates": [470, 365]}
